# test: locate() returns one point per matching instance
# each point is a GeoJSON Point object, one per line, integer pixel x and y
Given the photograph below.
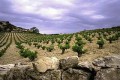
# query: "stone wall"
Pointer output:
{"type": "Point", "coordinates": [106, 68]}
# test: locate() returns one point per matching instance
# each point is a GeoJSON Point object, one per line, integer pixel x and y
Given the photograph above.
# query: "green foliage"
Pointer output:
{"type": "Point", "coordinates": [59, 41]}
{"type": "Point", "coordinates": [32, 55]}
{"type": "Point", "coordinates": [67, 42]}
{"type": "Point", "coordinates": [43, 47]}
{"type": "Point", "coordinates": [64, 47]}
{"type": "Point", "coordinates": [80, 43]}
{"type": "Point", "coordinates": [90, 40]}
{"type": "Point", "coordinates": [101, 42]}
{"type": "Point", "coordinates": [38, 46]}
{"type": "Point", "coordinates": [79, 49]}
{"type": "Point", "coordinates": [2, 52]}
{"type": "Point", "coordinates": [29, 43]}
{"type": "Point", "coordinates": [113, 38]}
{"type": "Point", "coordinates": [52, 41]}
{"type": "Point", "coordinates": [78, 38]}
{"type": "Point", "coordinates": [99, 37]}
{"type": "Point", "coordinates": [118, 34]}
{"type": "Point", "coordinates": [27, 53]}
{"type": "Point", "coordinates": [24, 53]}
{"type": "Point", "coordinates": [35, 44]}
{"type": "Point", "coordinates": [18, 45]}
{"type": "Point", "coordinates": [110, 39]}
{"type": "Point", "coordinates": [50, 48]}
{"type": "Point", "coordinates": [116, 37]}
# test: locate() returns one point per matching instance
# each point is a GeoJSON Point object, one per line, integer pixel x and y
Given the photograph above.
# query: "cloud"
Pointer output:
{"type": "Point", "coordinates": [57, 16]}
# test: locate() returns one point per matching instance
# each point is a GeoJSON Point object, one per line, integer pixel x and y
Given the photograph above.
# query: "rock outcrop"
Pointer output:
{"type": "Point", "coordinates": [106, 68]}
{"type": "Point", "coordinates": [6, 26]}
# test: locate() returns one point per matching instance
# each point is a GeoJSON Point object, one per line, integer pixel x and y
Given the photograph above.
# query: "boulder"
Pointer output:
{"type": "Point", "coordinates": [46, 63]}
{"type": "Point", "coordinates": [69, 62]}
{"type": "Point", "coordinates": [75, 74]}
{"type": "Point", "coordinates": [4, 69]}
{"type": "Point", "coordinates": [1, 78]}
{"type": "Point", "coordinates": [16, 74]}
{"type": "Point", "coordinates": [48, 75]}
{"type": "Point", "coordinates": [108, 74]}
{"type": "Point", "coordinates": [56, 75]}
{"type": "Point", "coordinates": [107, 62]}
{"type": "Point", "coordinates": [13, 72]}
{"type": "Point", "coordinates": [86, 65]}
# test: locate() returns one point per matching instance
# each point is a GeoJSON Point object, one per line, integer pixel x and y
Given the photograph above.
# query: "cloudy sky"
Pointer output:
{"type": "Point", "coordinates": [61, 16]}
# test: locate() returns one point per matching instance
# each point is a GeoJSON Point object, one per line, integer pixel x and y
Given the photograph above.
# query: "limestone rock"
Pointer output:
{"type": "Point", "coordinates": [75, 74]}
{"type": "Point", "coordinates": [4, 69]}
{"type": "Point", "coordinates": [13, 72]}
{"type": "Point", "coordinates": [16, 74]}
{"type": "Point", "coordinates": [48, 75]}
{"type": "Point", "coordinates": [56, 75]}
{"type": "Point", "coordinates": [86, 65]}
{"type": "Point", "coordinates": [69, 62]}
{"type": "Point", "coordinates": [46, 63]}
{"type": "Point", "coordinates": [108, 74]}
{"type": "Point", "coordinates": [108, 62]}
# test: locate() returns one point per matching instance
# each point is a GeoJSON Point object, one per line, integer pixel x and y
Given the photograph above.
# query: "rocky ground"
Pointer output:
{"type": "Point", "coordinates": [105, 68]}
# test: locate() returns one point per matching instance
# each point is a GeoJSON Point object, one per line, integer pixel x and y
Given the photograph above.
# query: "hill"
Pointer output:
{"type": "Point", "coordinates": [6, 26]}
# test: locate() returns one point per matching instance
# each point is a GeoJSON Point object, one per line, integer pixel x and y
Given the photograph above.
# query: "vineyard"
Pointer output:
{"type": "Point", "coordinates": [88, 45]}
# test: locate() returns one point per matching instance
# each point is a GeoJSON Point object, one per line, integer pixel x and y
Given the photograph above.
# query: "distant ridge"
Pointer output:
{"type": "Point", "coordinates": [6, 26]}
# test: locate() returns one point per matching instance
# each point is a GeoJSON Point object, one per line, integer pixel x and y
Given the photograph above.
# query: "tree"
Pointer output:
{"type": "Point", "coordinates": [34, 30]}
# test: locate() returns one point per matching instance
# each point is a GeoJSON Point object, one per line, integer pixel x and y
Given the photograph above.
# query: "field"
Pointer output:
{"type": "Point", "coordinates": [28, 47]}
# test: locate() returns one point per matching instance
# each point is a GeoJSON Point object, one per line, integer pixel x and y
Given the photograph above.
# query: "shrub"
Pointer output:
{"type": "Point", "coordinates": [32, 55]}
{"type": "Point", "coordinates": [49, 49]}
{"type": "Point", "coordinates": [99, 37]}
{"type": "Point", "coordinates": [78, 38]}
{"type": "Point", "coordinates": [90, 40]}
{"type": "Point", "coordinates": [67, 42]}
{"type": "Point", "coordinates": [43, 47]}
{"type": "Point", "coordinates": [100, 43]}
{"type": "Point", "coordinates": [63, 48]}
{"type": "Point", "coordinates": [35, 44]}
{"type": "Point", "coordinates": [2, 52]}
{"type": "Point", "coordinates": [59, 41]}
{"type": "Point", "coordinates": [27, 53]}
{"type": "Point", "coordinates": [24, 53]}
{"type": "Point", "coordinates": [79, 49]}
{"type": "Point", "coordinates": [38, 46]}
{"type": "Point", "coordinates": [52, 41]}
{"type": "Point", "coordinates": [118, 35]}
{"type": "Point", "coordinates": [18, 45]}
{"type": "Point", "coordinates": [47, 41]}
{"type": "Point", "coordinates": [110, 39]}
{"type": "Point", "coordinates": [115, 37]}
{"type": "Point", "coordinates": [79, 43]}
{"type": "Point", "coordinates": [29, 43]}
{"type": "Point", "coordinates": [69, 39]}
